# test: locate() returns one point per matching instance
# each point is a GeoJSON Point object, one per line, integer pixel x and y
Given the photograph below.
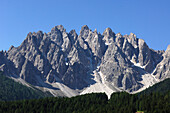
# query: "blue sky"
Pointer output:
{"type": "Point", "coordinates": [148, 19]}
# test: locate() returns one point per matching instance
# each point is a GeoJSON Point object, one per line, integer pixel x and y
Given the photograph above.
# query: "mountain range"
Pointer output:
{"type": "Point", "coordinates": [68, 64]}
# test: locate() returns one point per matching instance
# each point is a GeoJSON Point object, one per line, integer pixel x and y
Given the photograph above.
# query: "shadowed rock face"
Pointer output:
{"type": "Point", "coordinates": [72, 59]}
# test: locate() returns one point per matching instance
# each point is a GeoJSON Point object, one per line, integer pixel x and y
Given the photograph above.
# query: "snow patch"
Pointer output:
{"type": "Point", "coordinates": [161, 66]}
{"type": "Point", "coordinates": [106, 43]}
{"type": "Point", "coordinates": [96, 36]}
{"type": "Point", "coordinates": [62, 49]}
{"type": "Point", "coordinates": [137, 64]}
{"type": "Point", "coordinates": [66, 63]}
{"type": "Point", "coordinates": [135, 46]}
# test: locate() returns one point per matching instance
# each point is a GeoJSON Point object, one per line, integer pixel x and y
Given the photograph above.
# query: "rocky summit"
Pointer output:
{"type": "Point", "coordinates": [68, 64]}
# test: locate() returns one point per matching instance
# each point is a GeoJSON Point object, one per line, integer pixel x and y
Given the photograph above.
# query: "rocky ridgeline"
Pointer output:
{"type": "Point", "coordinates": [79, 61]}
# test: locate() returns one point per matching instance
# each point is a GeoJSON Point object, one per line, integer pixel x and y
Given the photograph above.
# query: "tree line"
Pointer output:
{"type": "Point", "coordinates": [120, 102]}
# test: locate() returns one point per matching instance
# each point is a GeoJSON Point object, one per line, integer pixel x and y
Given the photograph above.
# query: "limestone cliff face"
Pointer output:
{"type": "Point", "coordinates": [44, 59]}
{"type": "Point", "coordinates": [162, 70]}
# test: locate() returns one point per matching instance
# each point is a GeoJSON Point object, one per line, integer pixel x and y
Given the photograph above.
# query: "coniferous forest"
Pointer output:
{"type": "Point", "coordinates": [153, 100]}
{"type": "Point", "coordinates": [92, 103]}
{"type": "Point", "coordinates": [11, 90]}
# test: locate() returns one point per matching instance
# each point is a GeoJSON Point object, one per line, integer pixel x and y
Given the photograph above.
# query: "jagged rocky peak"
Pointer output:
{"type": "Point", "coordinates": [145, 58]}
{"type": "Point", "coordinates": [168, 48]}
{"type": "Point", "coordinates": [58, 28]}
{"type": "Point", "coordinates": [132, 35]}
{"type": "Point", "coordinates": [119, 40]}
{"type": "Point", "coordinates": [11, 48]}
{"type": "Point", "coordinates": [85, 27]}
{"type": "Point", "coordinates": [132, 38]}
{"type": "Point", "coordinates": [67, 60]}
{"type": "Point", "coordinates": [73, 32]}
{"type": "Point", "coordinates": [108, 36]}
{"type": "Point", "coordinates": [61, 28]}
{"type": "Point", "coordinates": [167, 53]}
{"type": "Point", "coordinates": [72, 36]}
{"type": "Point", "coordinates": [39, 34]}
{"type": "Point", "coordinates": [2, 53]}
{"type": "Point", "coordinates": [34, 37]}
{"type": "Point", "coordinates": [108, 31]}
{"type": "Point", "coordinates": [118, 35]}
{"type": "Point", "coordinates": [95, 31]}
{"type": "Point", "coordinates": [142, 43]}
{"type": "Point", "coordinates": [54, 29]}
{"type": "Point", "coordinates": [84, 32]}
{"type": "Point", "coordinates": [59, 36]}
{"type": "Point", "coordinates": [28, 38]}
{"type": "Point", "coordinates": [162, 70]}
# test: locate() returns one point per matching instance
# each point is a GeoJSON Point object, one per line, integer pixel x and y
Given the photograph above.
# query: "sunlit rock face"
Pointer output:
{"type": "Point", "coordinates": [88, 62]}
